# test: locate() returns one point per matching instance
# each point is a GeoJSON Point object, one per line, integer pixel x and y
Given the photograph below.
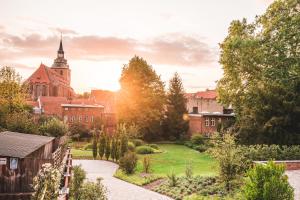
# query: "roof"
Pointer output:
{"type": "Point", "coordinates": [217, 114]}
{"type": "Point", "coordinates": [20, 145]}
{"type": "Point", "coordinates": [82, 106]}
{"type": "Point", "coordinates": [208, 94]}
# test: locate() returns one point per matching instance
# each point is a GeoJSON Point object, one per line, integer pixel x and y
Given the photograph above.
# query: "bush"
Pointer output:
{"type": "Point", "coordinates": [77, 180]}
{"type": "Point", "coordinates": [201, 147]}
{"type": "Point", "coordinates": [197, 139]}
{"type": "Point", "coordinates": [144, 150]}
{"type": "Point", "coordinates": [173, 179]}
{"type": "Point", "coordinates": [128, 162]}
{"type": "Point", "coordinates": [146, 164]}
{"type": "Point", "coordinates": [138, 142]}
{"type": "Point", "coordinates": [93, 191]}
{"type": "Point", "coordinates": [54, 127]}
{"type": "Point", "coordinates": [88, 146]}
{"type": "Point", "coordinates": [154, 146]}
{"type": "Point", "coordinates": [268, 182]}
{"type": "Point", "coordinates": [131, 146]}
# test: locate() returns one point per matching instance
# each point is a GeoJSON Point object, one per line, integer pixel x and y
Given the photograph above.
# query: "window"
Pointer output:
{"type": "Point", "coordinates": [65, 118]}
{"type": "Point", "coordinates": [86, 118]}
{"type": "Point", "coordinates": [213, 121]}
{"type": "Point", "coordinates": [66, 108]}
{"type": "Point", "coordinates": [195, 110]}
{"type": "Point", "coordinates": [92, 118]}
{"type": "Point", "coordinates": [61, 72]}
{"type": "Point", "coordinates": [206, 121]}
{"type": "Point", "coordinates": [79, 118]}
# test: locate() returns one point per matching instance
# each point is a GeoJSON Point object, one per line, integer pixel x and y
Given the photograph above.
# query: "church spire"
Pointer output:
{"type": "Point", "coordinates": [60, 50]}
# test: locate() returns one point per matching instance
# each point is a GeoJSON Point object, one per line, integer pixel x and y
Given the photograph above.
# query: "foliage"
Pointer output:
{"type": "Point", "coordinates": [95, 146]}
{"type": "Point", "coordinates": [131, 146]}
{"type": "Point", "coordinates": [189, 170]}
{"type": "Point", "coordinates": [102, 144]}
{"type": "Point", "coordinates": [21, 122]}
{"type": "Point", "coordinates": [138, 142]}
{"type": "Point", "coordinates": [79, 130]}
{"type": "Point", "coordinates": [172, 179]}
{"type": "Point", "coordinates": [199, 143]}
{"type": "Point", "coordinates": [268, 182]}
{"type": "Point", "coordinates": [107, 147]}
{"type": "Point", "coordinates": [197, 139]}
{"type": "Point", "coordinates": [142, 98]}
{"type": "Point", "coordinates": [133, 131]}
{"type": "Point", "coordinates": [144, 150]}
{"type": "Point", "coordinates": [230, 159]}
{"type": "Point", "coordinates": [46, 183]}
{"type": "Point", "coordinates": [262, 76]}
{"type": "Point", "coordinates": [146, 164]}
{"type": "Point", "coordinates": [114, 144]}
{"type": "Point", "coordinates": [93, 191]}
{"type": "Point", "coordinates": [176, 122]}
{"type": "Point", "coordinates": [53, 127]}
{"type": "Point", "coordinates": [154, 146]}
{"type": "Point", "coordinates": [136, 178]}
{"type": "Point", "coordinates": [128, 162]}
{"type": "Point", "coordinates": [76, 182]}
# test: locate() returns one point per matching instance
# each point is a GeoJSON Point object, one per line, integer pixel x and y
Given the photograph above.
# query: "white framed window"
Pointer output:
{"type": "Point", "coordinates": [86, 118]}
{"type": "Point", "coordinates": [213, 122]}
{"type": "Point", "coordinates": [206, 121]}
{"type": "Point", "coordinates": [92, 118]}
{"type": "Point", "coordinates": [79, 118]}
{"type": "Point", "coordinates": [66, 108]}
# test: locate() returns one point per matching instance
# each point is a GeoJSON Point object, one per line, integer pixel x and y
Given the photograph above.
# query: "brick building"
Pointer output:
{"type": "Point", "coordinates": [52, 81]}
{"type": "Point", "coordinates": [205, 113]}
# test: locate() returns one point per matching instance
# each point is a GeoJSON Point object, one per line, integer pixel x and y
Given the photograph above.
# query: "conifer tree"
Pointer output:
{"type": "Point", "coordinates": [107, 147]}
{"type": "Point", "coordinates": [94, 145]}
{"type": "Point", "coordinates": [176, 122]}
{"type": "Point", "coordinates": [113, 148]}
{"type": "Point", "coordinates": [102, 144]}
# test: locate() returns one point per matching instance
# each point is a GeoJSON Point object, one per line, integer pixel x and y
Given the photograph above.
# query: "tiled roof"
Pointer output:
{"type": "Point", "coordinates": [20, 145]}
{"type": "Point", "coordinates": [208, 94]}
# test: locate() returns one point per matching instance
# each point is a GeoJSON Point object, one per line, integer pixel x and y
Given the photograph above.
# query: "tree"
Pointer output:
{"type": "Point", "coordinates": [113, 147]}
{"type": "Point", "coordinates": [142, 98]}
{"type": "Point", "coordinates": [230, 159]}
{"type": "Point", "coordinates": [262, 75]}
{"type": "Point", "coordinates": [78, 130]}
{"type": "Point", "coordinates": [54, 127]}
{"type": "Point", "coordinates": [46, 183]}
{"type": "Point", "coordinates": [94, 145]}
{"type": "Point", "coordinates": [93, 191]}
{"type": "Point", "coordinates": [102, 144]}
{"type": "Point", "coordinates": [267, 182]}
{"type": "Point", "coordinates": [176, 116]}
{"type": "Point", "coordinates": [21, 122]}
{"type": "Point", "coordinates": [76, 182]}
{"type": "Point", "coordinates": [107, 147]}
{"type": "Point", "coordinates": [128, 162]}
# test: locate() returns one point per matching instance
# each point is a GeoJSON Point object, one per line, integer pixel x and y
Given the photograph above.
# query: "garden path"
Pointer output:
{"type": "Point", "coordinates": [294, 180]}
{"type": "Point", "coordinates": [117, 189]}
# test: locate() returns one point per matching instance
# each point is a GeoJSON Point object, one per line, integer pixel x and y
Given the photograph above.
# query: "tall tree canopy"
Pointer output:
{"type": "Point", "coordinates": [261, 63]}
{"type": "Point", "coordinates": [176, 120]}
{"type": "Point", "coordinates": [142, 97]}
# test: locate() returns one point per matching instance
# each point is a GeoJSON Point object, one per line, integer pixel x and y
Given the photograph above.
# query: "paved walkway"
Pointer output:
{"type": "Point", "coordinates": [294, 180]}
{"type": "Point", "coordinates": [117, 189]}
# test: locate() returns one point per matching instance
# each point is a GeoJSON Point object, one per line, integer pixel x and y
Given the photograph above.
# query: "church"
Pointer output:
{"type": "Point", "coordinates": [52, 81]}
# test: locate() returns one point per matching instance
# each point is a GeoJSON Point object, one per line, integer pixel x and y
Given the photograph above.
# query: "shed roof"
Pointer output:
{"type": "Point", "coordinates": [20, 145]}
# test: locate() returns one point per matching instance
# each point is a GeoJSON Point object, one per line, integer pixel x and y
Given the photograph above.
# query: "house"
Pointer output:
{"type": "Point", "coordinates": [21, 157]}
{"type": "Point", "coordinates": [205, 113]}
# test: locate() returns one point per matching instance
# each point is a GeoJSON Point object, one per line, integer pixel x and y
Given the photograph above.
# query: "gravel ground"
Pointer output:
{"type": "Point", "coordinates": [294, 180]}
{"type": "Point", "coordinates": [117, 189]}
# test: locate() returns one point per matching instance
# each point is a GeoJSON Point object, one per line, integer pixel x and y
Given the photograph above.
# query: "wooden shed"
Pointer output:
{"type": "Point", "coordinates": [21, 157]}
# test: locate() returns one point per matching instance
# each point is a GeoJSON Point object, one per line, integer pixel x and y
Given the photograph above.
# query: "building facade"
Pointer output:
{"type": "Point", "coordinates": [205, 113]}
{"type": "Point", "coordinates": [52, 81]}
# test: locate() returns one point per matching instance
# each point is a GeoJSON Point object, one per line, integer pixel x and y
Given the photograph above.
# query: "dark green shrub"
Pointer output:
{"type": "Point", "coordinates": [131, 146]}
{"type": "Point", "coordinates": [197, 139]}
{"type": "Point", "coordinates": [128, 162]}
{"type": "Point", "coordinates": [138, 142]}
{"type": "Point", "coordinates": [201, 147]}
{"type": "Point", "coordinates": [144, 150]}
{"type": "Point", "coordinates": [267, 182]}
{"type": "Point", "coordinates": [88, 146]}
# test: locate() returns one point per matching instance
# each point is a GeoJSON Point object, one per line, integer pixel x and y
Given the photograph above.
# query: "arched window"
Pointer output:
{"type": "Point", "coordinates": [55, 91]}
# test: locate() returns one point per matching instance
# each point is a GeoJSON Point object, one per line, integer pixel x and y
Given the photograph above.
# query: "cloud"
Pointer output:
{"type": "Point", "coordinates": [169, 49]}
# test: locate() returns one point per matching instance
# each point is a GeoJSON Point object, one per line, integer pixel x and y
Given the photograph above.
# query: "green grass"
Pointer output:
{"type": "Point", "coordinates": [82, 154]}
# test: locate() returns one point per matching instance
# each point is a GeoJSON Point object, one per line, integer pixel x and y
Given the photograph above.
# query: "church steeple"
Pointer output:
{"type": "Point", "coordinates": [60, 61]}
{"type": "Point", "coordinates": [60, 52]}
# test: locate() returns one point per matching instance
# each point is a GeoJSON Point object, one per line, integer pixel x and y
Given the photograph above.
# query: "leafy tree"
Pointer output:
{"type": "Point", "coordinates": [54, 127]}
{"type": "Point", "coordinates": [262, 75]}
{"type": "Point", "coordinates": [79, 130]}
{"type": "Point", "coordinates": [102, 144]}
{"type": "Point", "coordinates": [230, 159]}
{"type": "Point", "coordinates": [176, 120]}
{"type": "Point", "coordinates": [93, 191]}
{"type": "Point", "coordinates": [21, 122]}
{"type": "Point", "coordinates": [107, 147]}
{"type": "Point", "coordinates": [128, 162]}
{"type": "Point", "coordinates": [77, 180]}
{"type": "Point", "coordinates": [142, 98]}
{"type": "Point", "coordinates": [98, 123]}
{"type": "Point", "coordinates": [268, 182]}
{"type": "Point", "coordinates": [46, 183]}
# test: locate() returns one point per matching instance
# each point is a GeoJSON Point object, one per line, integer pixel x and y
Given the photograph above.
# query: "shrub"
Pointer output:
{"type": "Point", "coordinates": [54, 127]}
{"type": "Point", "coordinates": [154, 146]}
{"type": "Point", "coordinates": [189, 170]}
{"type": "Point", "coordinates": [93, 191]}
{"type": "Point", "coordinates": [197, 139]}
{"type": "Point", "coordinates": [268, 182]}
{"type": "Point", "coordinates": [77, 181]}
{"type": "Point", "coordinates": [131, 146]}
{"type": "Point", "coordinates": [102, 145]}
{"type": "Point", "coordinates": [172, 179]}
{"type": "Point", "coordinates": [107, 148]}
{"type": "Point", "coordinates": [88, 146]}
{"type": "Point", "coordinates": [146, 164]}
{"type": "Point", "coordinates": [201, 147]}
{"type": "Point", "coordinates": [128, 162]}
{"type": "Point", "coordinates": [144, 150]}
{"type": "Point", "coordinates": [138, 142]}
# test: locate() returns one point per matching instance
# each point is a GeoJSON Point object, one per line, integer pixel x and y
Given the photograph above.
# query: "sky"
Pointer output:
{"type": "Point", "coordinates": [100, 36]}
